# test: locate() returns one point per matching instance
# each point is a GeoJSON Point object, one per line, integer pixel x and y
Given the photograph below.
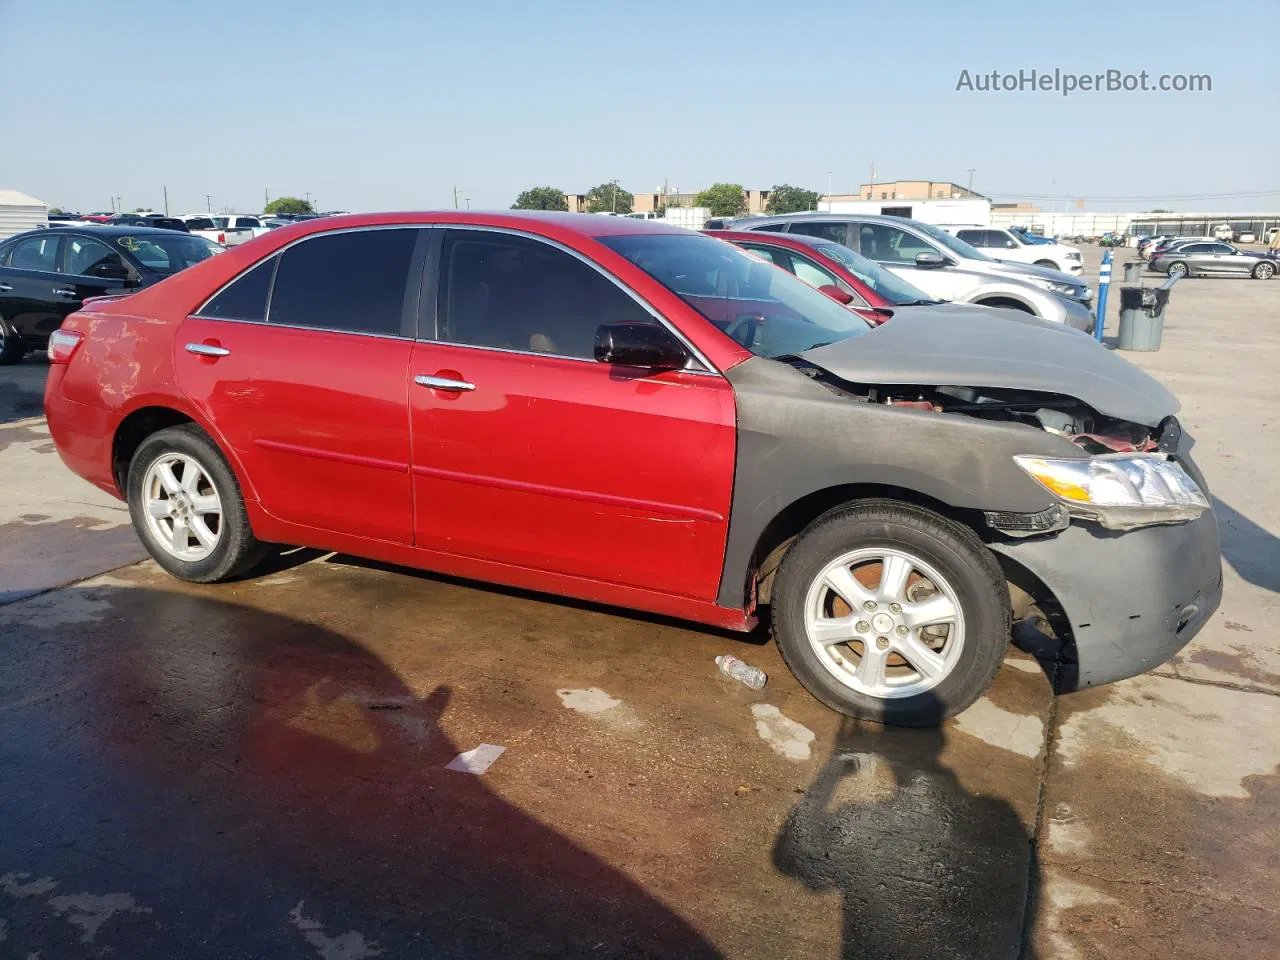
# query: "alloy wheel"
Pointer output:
{"type": "Point", "coordinates": [183, 507]}
{"type": "Point", "coordinates": [884, 622]}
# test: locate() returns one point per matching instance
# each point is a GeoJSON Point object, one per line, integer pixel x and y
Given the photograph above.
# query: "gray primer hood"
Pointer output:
{"type": "Point", "coordinates": [965, 346]}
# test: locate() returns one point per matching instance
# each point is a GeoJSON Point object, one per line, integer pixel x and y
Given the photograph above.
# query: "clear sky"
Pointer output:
{"type": "Point", "coordinates": [387, 105]}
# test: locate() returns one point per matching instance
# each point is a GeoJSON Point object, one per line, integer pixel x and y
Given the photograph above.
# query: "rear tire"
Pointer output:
{"type": "Point", "coordinates": [1178, 269]}
{"type": "Point", "coordinates": [12, 349]}
{"type": "Point", "coordinates": [929, 653]}
{"type": "Point", "coordinates": [187, 507]}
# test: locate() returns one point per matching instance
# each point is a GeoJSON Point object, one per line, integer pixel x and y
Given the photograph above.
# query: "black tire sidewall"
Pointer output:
{"type": "Point", "coordinates": [235, 540]}
{"type": "Point", "coordinates": [12, 349]}
{"type": "Point", "coordinates": [953, 550]}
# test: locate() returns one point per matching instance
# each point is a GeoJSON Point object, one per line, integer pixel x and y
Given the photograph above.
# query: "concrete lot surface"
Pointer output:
{"type": "Point", "coordinates": [263, 768]}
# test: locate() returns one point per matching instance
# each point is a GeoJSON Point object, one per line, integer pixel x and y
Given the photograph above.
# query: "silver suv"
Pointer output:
{"type": "Point", "coordinates": [942, 265]}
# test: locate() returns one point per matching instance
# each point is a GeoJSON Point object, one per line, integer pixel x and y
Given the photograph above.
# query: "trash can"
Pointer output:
{"type": "Point", "coordinates": [1142, 317]}
{"type": "Point", "coordinates": [1133, 271]}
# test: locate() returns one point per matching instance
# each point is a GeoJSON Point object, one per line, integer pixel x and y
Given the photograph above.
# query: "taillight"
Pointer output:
{"type": "Point", "coordinates": [222, 239]}
{"type": "Point", "coordinates": [63, 344]}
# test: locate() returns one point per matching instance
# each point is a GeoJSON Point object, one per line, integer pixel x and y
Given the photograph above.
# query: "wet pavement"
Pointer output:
{"type": "Point", "coordinates": [263, 768]}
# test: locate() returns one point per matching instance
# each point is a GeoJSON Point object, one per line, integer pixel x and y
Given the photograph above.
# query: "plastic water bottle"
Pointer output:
{"type": "Point", "coordinates": [753, 677]}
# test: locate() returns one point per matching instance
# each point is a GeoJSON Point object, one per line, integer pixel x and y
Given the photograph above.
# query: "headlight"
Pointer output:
{"type": "Point", "coordinates": [1056, 286]}
{"type": "Point", "coordinates": [1120, 490]}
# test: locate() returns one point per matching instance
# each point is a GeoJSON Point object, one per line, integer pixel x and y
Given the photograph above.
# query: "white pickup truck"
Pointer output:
{"type": "Point", "coordinates": [230, 229]}
{"type": "Point", "coordinates": [1004, 245]}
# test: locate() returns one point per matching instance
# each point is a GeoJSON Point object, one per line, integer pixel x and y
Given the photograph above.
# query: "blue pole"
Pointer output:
{"type": "Point", "coordinates": [1104, 284]}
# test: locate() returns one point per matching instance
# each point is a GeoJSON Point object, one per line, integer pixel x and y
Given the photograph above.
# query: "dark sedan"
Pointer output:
{"type": "Point", "coordinates": [45, 275]}
{"type": "Point", "coordinates": [1212, 258]}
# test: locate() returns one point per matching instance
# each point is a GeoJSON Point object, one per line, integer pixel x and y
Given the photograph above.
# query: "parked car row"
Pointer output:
{"type": "Point", "coordinates": [713, 435]}
{"type": "Point", "coordinates": [942, 265]}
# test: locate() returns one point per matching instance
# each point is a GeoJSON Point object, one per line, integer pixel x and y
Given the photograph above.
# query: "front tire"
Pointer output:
{"type": "Point", "coordinates": [887, 611]}
{"type": "Point", "coordinates": [187, 508]}
{"type": "Point", "coordinates": [1264, 271]}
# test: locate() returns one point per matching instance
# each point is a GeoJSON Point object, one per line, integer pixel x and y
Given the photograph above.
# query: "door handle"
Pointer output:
{"type": "Point", "coordinates": [5, 288]}
{"type": "Point", "coordinates": [64, 292]}
{"type": "Point", "coordinates": [443, 383]}
{"type": "Point", "coordinates": [207, 350]}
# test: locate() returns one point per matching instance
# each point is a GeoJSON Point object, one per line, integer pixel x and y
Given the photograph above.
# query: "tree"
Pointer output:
{"type": "Point", "coordinates": [56, 211]}
{"type": "Point", "coordinates": [291, 205]}
{"type": "Point", "coordinates": [1159, 210]}
{"type": "Point", "coordinates": [141, 209]}
{"type": "Point", "coordinates": [723, 199]}
{"type": "Point", "coordinates": [609, 198]}
{"type": "Point", "coordinates": [784, 198]}
{"type": "Point", "coordinates": [541, 198]}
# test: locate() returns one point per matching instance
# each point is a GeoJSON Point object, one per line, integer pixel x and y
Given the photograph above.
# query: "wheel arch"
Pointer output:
{"type": "Point", "coordinates": [1007, 302]}
{"type": "Point", "coordinates": [788, 523]}
{"type": "Point", "coordinates": [155, 415]}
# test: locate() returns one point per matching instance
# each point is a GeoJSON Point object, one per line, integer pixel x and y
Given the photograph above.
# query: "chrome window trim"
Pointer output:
{"type": "Point", "coordinates": [277, 254]}
{"type": "Point", "coordinates": [298, 326]}
{"type": "Point", "coordinates": [707, 367]}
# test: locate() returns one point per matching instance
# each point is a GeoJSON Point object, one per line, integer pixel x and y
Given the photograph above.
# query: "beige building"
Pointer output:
{"type": "Point", "coordinates": [646, 202]}
{"type": "Point", "coordinates": [908, 190]}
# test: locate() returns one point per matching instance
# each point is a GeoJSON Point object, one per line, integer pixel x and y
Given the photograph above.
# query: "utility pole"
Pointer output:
{"type": "Point", "coordinates": [166, 200]}
{"type": "Point", "coordinates": [208, 203]}
{"type": "Point", "coordinates": [614, 202]}
{"type": "Point", "coordinates": [970, 172]}
{"type": "Point", "coordinates": [828, 184]}
{"type": "Point", "coordinates": [455, 198]}
{"type": "Point", "coordinates": [313, 209]}
{"type": "Point", "coordinates": [871, 192]}
{"type": "Point", "coordinates": [266, 199]}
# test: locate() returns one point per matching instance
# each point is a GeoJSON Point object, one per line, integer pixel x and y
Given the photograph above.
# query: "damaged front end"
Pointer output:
{"type": "Point", "coordinates": [1130, 474]}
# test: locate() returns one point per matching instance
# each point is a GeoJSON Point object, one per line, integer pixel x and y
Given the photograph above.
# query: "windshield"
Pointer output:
{"type": "Point", "coordinates": [168, 254]}
{"type": "Point", "coordinates": [954, 244]}
{"type": "Point", "coordinates": [762, 307]}
{"type": "Point", "coordinates": [874, 276]}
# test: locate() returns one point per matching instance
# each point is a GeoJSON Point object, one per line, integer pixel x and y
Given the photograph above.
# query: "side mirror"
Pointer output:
{"type": "Point", "coordinates": [929, 260]}
{"type": "Point", "coordinates": [109, 270]}
{"type": "Point", "coordinates": [639, 345]}
{"type": "Point", "coordinates": [836, 294]}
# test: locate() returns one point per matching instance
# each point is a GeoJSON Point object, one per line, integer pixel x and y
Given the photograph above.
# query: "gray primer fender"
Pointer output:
{"type": "Point", "coordinates": [797, 437]}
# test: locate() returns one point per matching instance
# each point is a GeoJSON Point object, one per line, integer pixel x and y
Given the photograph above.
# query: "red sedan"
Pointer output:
{"type": "Point", "coordinates": [833, 268]}
{"type": "Point", "coordinates": [641, 415]}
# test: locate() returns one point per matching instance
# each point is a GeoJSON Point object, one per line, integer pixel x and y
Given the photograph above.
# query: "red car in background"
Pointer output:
{"type": "Point", "coordinates": [833, 268]}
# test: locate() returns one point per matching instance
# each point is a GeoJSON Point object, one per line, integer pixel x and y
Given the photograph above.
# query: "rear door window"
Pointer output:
{"type": "Point", "coordinates": [357, 281]}
{"type": "Point", "coordinates": [976, 237]}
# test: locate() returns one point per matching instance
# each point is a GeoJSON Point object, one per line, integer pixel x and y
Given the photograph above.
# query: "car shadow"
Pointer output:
{"type": "Point", "coordinates": [924, 868]}
{"type": "Point", "coordinates": [22, 389]}
{"type": "Point", "coordinates": [264, 786]}
{"type": "Point", "coordinates": [1252, 550]}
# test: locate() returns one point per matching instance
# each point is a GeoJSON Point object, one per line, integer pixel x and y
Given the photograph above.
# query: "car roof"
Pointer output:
{"type": "Point", "coordinates": [582, 224]}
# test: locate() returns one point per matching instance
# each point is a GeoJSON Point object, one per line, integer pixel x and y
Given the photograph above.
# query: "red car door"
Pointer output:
{"type": "Point", "coordinates": [527, 451]}
{"type": "Point", "coordinates": [314, 401]}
